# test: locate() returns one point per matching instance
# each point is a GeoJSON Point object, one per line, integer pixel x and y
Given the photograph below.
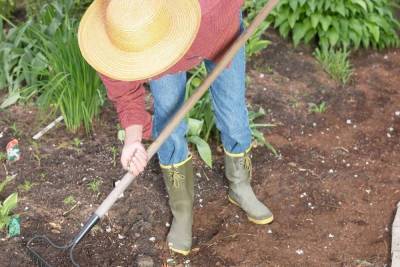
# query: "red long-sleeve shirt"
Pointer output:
{"type": "Point", "coordinates": [219, 27]}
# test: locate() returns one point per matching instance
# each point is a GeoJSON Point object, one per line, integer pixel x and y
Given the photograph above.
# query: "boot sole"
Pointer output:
{"type": "Point", "coordinates": [179, 251]}
{"type": "Point", "coordinates": [256, 221]}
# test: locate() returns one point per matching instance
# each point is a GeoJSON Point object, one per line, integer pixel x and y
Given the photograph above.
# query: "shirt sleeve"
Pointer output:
{"type": "Point", "coordinates": [129, 101]}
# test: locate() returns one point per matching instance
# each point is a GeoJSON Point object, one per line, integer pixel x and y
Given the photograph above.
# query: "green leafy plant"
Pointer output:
{"type": "Point", "coordinates": [69, 200]}
{"type": "Point", "coordinates": [114, 152]}
{"type": "Point", "coordinates": [202, 111]}
{"type": "Point", "coordinates": [36, 151]}
{"type": "Point", "coordinates": [26, 186]}
{"type": "Point", "coordinates": [120, 134]}
{"type": "Point", "coordinates": [195, 128]}
{"type": "Point", "coordinates": [256, 43]}
{"type": "Point", "coordinates": [76, 142]}
{"type": "Point", "coordinates": [20, 60]}
{"type": "Point", "coordinates": [336, 63]}
{"type": "Point", "coordinates": [94, 185]}
{"type": "Point", "coordinates": [15, 131]}
{"type": "Point", "coordinates": [201, 121]}
{"type": "Point", "coordinates": [318, 108]}
{"type": "Point", "coordinates": [3, 156]}
{"type": "Point", "coordinates": [338, 23]}
{"type": "Point", "coordinates": [7, 7]}
{"type": "Point", "coordinates": [257, 135]}
{"type": "Point", "coordinates": [7, 205]}
{"type": "Point", "coordinates": [73, 87]}
{"type": "Point", "coordinates": [74, 7]}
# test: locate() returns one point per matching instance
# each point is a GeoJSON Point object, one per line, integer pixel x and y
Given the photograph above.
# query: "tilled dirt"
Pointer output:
{"type": "Point", "coordinates": [333, 188]}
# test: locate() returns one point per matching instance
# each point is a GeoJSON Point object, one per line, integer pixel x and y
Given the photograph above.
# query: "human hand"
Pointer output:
{"type": "Point", "coordinates": [134, 157]}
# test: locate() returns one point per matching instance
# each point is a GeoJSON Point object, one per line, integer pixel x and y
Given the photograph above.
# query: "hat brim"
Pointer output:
{"type": "Point", "coordinates": [107, 59]}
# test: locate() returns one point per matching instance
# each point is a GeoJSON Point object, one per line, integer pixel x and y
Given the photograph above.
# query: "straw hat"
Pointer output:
{"type": "Point", "coordinates": [132, 40]}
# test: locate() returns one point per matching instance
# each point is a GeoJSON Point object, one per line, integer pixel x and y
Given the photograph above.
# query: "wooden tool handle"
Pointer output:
{"type": "Point", "coordinates": [179, 116]}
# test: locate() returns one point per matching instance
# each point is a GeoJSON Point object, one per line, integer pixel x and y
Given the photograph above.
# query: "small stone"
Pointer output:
{"type": "Point", "coordinates": [386, 57]}
{"type": "Point", "coordinates": [330, 171]}
{"type": "Point", "coordinates": [262, 75]}
{"type": "Point", "coordinates": [303, 195]}
{"type": "Point", "coordinates": [198, 174]}
{"type": "Point", "coordinates": [389, 135]}
{"type": "Point", "coordinates": [26, 208]}
{"type": "Point", "coordinates": [144, 261]}
{"type": "Point", "coordinates": [348, 121]}
{"type": "Point", "coordinates": [391, 129]}
{"type": "Point", "coordinates": [355, 175]}
{"type": "Point", "coordinates": [314, 124]}
{"type": "Point", "coordinates": [300, 252]}
{"type": "Point", "coordinates": [167, 224]}
{"type": "Point", "coordinates": [265, 89]}
{"type": "Point", "coordinates": [108, 229]}
{"type": "Point", "coordinates": [269, 231]}
{"type": "Point", "coordinates": [397, 113]}
{"type": "Point", "coordinates": [137, 235]}
{"type": "Point", "coordinates": [331, 236]}
{"type": "Point", "coordinates": [152, 239]}
{"type": "Point", "coordinates": [120, 236]}
{"type": "Point", "coordinates": [368, 191]}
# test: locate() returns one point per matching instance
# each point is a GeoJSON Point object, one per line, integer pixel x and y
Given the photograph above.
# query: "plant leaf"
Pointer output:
{"type": "Point", "coordinates": [203, 148]}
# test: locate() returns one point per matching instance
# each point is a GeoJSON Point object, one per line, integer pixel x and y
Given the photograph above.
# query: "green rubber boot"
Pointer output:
{"type": "Point", "coordinates": [178, 179]}
{"type": "Point", "coordinates": [238, 170]}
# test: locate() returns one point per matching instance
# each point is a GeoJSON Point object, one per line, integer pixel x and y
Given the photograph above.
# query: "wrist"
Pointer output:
{"type": "Point", "coordinates": [133, 134]}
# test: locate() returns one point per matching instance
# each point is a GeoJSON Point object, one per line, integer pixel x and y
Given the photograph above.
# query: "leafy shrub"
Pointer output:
{"type": "Point", "coordinates": [256, 43]}
{"type": "Point", "coordinates": [41, 58]}
{"type": "Point", "coordinates": [19, 59]}
{"type": "Point", "coordinates": [343, 23]}
{"type": "Point", "coordinates": [74, 7]}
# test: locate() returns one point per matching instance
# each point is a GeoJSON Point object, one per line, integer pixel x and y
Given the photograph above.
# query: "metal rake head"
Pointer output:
{"type": "Point", "coordinates": [39, 259]}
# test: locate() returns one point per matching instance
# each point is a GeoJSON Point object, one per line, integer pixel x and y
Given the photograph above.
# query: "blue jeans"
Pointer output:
{"type": "Point", "coordinates": [228, 102]}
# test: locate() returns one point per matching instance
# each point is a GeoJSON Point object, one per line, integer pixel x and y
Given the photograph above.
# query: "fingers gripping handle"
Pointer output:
{"type": "Point", "coordinates": [128, 178]}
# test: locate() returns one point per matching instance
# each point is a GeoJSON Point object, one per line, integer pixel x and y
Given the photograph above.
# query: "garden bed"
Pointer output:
{"type": "Point", "coordinates": [333, 190]}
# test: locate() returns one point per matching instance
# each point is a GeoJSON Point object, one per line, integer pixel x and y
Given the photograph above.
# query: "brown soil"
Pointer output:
{"type": "Point", "coordinates": [333, 189]}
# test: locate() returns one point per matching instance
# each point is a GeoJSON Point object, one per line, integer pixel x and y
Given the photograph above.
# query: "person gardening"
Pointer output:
{"type": "Point", "coordinates": [132, 42]}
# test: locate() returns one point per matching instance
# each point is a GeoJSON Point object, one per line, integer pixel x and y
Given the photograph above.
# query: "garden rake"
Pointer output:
{"type": "Point", "coordinates": [151, 151]}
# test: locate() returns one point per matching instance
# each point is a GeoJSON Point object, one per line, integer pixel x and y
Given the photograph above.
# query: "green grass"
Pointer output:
{"type": "Point", "coordinates": [26, 186]}
{"type": "Point", "coordinates": [69, 200]}
{"type": "Point", "coordinates": [94, 185]}
{"type": "Point", "coordinates": [318, 108]}
{"type": "Point", "coordinates": [336, 63]}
